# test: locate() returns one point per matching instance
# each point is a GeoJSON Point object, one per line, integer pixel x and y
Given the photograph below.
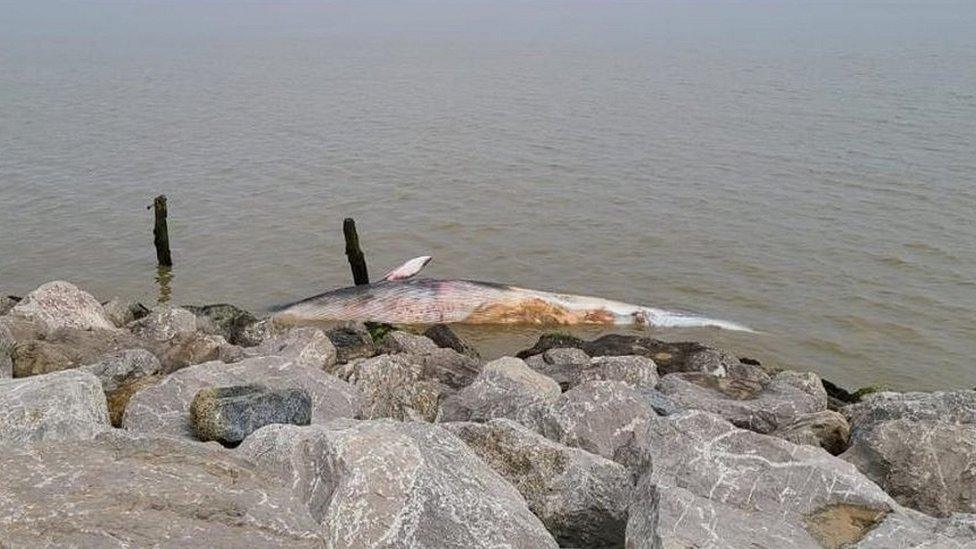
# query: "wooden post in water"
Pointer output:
{"type": "Point", "coordinates": [161, 232]}
{"type": "Point", "coordinates": [357, 261]}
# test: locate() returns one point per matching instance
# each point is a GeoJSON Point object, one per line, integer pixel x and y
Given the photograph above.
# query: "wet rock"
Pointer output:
{"type": "Point", "coordinates": [165, 408]}
{"type": "Point", "coordinates": [121, 312]}
{"type": "Point", "coordinates": [7, 302]}
{"type": "Point", "coordinates": [913, 530]}
{"type": "Point", "coordinates": [122, 490]}
{"type": "Point", "coordinates": [637, 371]}
{"type": "Point", "coordinates": [506, 387]}
{"type": "Point", "coordinates": [61, 406]}
{"type": "Point", "coordinates": [582, 498]}
{"type": "Point", "coordinates": [352, 340]}
{"type": "Point", "coordinates": [395, 386]}
{"type": "Point", "coordinates": [670, 357]}
{"type": "Point", "coordinates": [62, 305]}
{"type": "Point", "coordinates": [399, 341]}
{"type": "Point", "coordinates": [389, 484]}
{"type": "Point", "coordinates": [303, 345]}
{"type": "Point", "coordinates": [827, 429]}
{"type": "Point", "coordinates": [186, 348]}
{"type": "Point", "coordinates": [746, 403]}
{"type": "Point", "coordinates": [229, 414]}
{"type": "Point", "coordinates": [607, 418]}
{"type": "Point", "coordinates": [562, 364]}
{"type": "Point", "coordinates": [443, 336]}
{"type": "Point", "coordinates": [920, 447]}
{"type": "Point", "coordinates": [225, 320]}
{"type": "Point", "coordinates": [164, 323]}
{"type": "Point", "coordinates": [713, 484]}
{"type": "Point", "coordinates": [837, 396]}
{"type": "Point", "coordinates": [119, 367]}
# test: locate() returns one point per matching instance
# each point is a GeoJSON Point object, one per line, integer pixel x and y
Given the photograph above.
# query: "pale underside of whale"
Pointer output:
{"type": "Point", "coordinates": [401, 299]}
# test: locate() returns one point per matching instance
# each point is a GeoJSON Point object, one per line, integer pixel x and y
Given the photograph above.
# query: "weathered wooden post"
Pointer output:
{"type": "Point", "coordinates": [357, 261]}
{"type": "Point", "coordinates": [161, 232]}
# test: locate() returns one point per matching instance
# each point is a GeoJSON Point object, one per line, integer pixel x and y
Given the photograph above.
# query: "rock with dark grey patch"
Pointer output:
{"type": "Point", "coordinates": [229, 414]}
{"type": "Point", "coordinates": [225, 320]}
{"type": "Point", "coordinates": [562, 364]}
{"type": "Point", "coordinates": [920, 447]}
{"type": "Point", "coordinates": [383, 483]}
{"type": "Point", "coordinates": [121, 312]}
{"type": "Point", "coordinates": [506, 387]}
{"type": "Point", "coordinates": [395, 386]}
{"type": "Point", "coordinates": [661, 404]}
{"type": "Point", "coordinates": [443, 336]}
{"type": "Point", "coordinates": [746, 403]}
{"type": "Point", "coordinates": [399, 341]}
{"type": "Point", "coordinates": [637, 371]}
{"type": "Point", "coordinates": [164, 323]}
{"type": "Point", "coordinates": [121, 490]}
{"type": "Point", "coordinates": [827, 429]}
{"type": "Point", "coordinates": [304, 345]}
{"type": "Point", "coordinates": [713, 484]}
{"type": "Point", "coordinates": [62, 406]}
{"type": "Point", "coordinates": [582, 498]}
{"type": "Point", "coordinates": [351, 340]}
{"type": "Point", "coordinates": [607, 418]}
{"type": "Point", "coordinates": [165, 408]}
{"type": "Point", "coordinates": [61, 304]}
{"type": "Point", "coordinates": [117, 368]}
{"type": "Point", "coordinates": [7, 302]}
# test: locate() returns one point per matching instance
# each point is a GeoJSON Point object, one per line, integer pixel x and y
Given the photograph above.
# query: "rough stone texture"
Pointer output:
{"type": "Point", "coordinates": [562, 364]}
{"type": "Point", "coordinates": [164, 323]}
{"type": "Point", "coordinates": [827, 429]}
{"type": "Point", "coordinates": [714, 485]}
{"type": "Point", "coordinates": [62, 406]}
{"type": "Point", "coordinates": [7, 302]}
{"type": "Point", "coordinates": [229, 414]}
{"type": "Point", "coordinates": [303, 345]}
{"type": "Point", "coordinates": [67, 348]}
{"type": "Point", "coordinates": [7, 343]}
{"type": "Point", "coordinates": [607, 418]}
{"type": "Point", "coordinates": [118, 399]}
{"type": "Point", "coordinates": [117, 368]}
{"type": "Point", "coordinates": [395, 386]}
{"type": "Point", "coordinates": [188, 348]}
{"type": "Point", "coordinates": [913, 530]}
{"type": "Point", "coordinates": [399, 341]}
{"type": "Point", "coordinates": [637, 371]}
{"type": "Point", "coordinates": [661, 404]}
{"type": "Point", "coordinates": [506, 387]}
{"type": "Point", "coordinates": [580, 497]}
{"type": "Point", "coordinates": [747, 403]}
{"type": "Point", "coordinates": [61, 304]}
{"type": "Point", "coordinates": [443, 336]}
{"type": "Point", "coordinates": [121, 312]}
{"type": "Point", "coordinates": [920, 447]}
{"type": "Point", "coordinates": [260, 331]}
{"type": "Point", "coordinates": [225, 320]}
{"type": "Point", "coordinates": [389, 484]}
{"type": "Point", "coordinates": [670, 357]}
{"type": "Point", "coordinates": [352, 340]}
{"type": "Point", "coordinates": [125, 491]}
{"type": "Point", "coordinates": [165, 408]}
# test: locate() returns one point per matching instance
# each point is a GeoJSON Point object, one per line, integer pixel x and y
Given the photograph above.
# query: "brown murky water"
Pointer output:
{"type": "Point", "coordinates": [807, 169]}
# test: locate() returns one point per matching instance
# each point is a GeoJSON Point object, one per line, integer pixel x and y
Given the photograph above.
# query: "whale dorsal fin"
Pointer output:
{"type": "Point", "coordinates": [408, 269]}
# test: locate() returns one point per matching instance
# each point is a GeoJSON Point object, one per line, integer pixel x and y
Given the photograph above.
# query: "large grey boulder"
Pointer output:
{"type": "Point", "coordinates": [186, 348]}
{"type": "Point", "coordinates": [395, 386]}
{"type": "Point", "coordinates": [637, 371]}
{"type": "Point", "coordinates": [352, 340]}
{"type": "Point", "coordinates": [607, 418]}
{"type": "Point", "coordinates": [67, 348]}
{"type": "Point", "coordinates": [165, 408]}
{"type": "Point", "coordinates": [225, 320]}
{"type": "Point", "coordinates": [229, 414]}
{"type": "Point", "coordinates": [115, 369]}
{"type": "Point", "coordinates": [303, 345]}
{"type": "Point", "coordinates": [747, 403]}
{"type": "Point", "coordinates": [582, 498]}
{"type": "Point", "coordinates": [61, 304]}
{"type": "Point", "coordinates": [164, 323]}
{"type": "Point", "coordinates": [122, 491]}
{"type": "Point", "coordinates": [62, 406]}
{"type": "Point", "coordinates": [121, 311]}
{"type": "Point", "coordinates": [912, 530]}
{"type": "Point", "coordinates": [827, 429]}
{"type": "Point", "coordinates": [506, 387]}
{"type": "Point", "coordinates": [715, 485]}
{"type": "Point", "coordinates": [563, 364]}
{"type": "Point", "coordinates": [390, 484]}
{"type": "Point", "coordinates": [920, 447]}
{"type": "Point", "coordinates": [398, 341]}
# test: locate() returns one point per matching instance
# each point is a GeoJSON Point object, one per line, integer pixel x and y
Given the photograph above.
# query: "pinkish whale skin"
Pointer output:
{"type": "Point", "coordinates": [432, 301]}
